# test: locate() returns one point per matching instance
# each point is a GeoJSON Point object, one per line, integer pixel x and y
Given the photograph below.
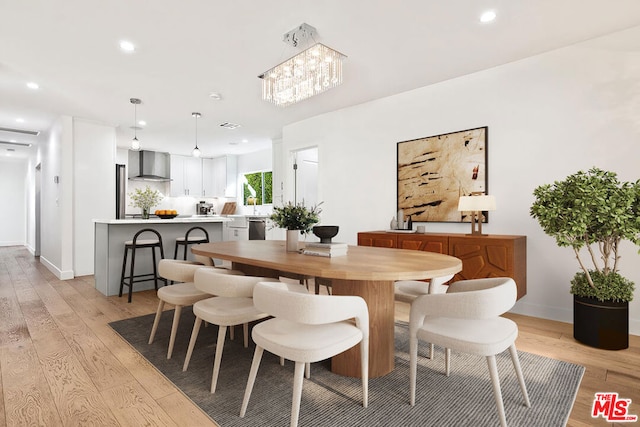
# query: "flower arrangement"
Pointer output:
{"type": "Point", "coordinates": [296, 217]}
{"type": "Point", "coordinates": [145, 200]}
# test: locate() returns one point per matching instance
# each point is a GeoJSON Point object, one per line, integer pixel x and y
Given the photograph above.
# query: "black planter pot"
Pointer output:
{"type": "Point", "coordinates": [600, 324]}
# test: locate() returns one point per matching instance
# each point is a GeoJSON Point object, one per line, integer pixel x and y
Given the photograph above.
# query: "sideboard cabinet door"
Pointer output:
{"type": "Point", "coordinates": [379, 240]}
{"type": "Point", "coordinates": [438, 243]}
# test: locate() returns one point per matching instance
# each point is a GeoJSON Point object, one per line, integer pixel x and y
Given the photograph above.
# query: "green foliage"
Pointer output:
{"type": "Point", "coordinates": [591, 210]}
{"type": "Point", "coordinates": [607, 287]}
{"type": "Point", "coordinates": [146, 198]}
{"type": "Point", "coordinates": [262, 183]}
{"type": "Point", "coordinates": [296, 217]}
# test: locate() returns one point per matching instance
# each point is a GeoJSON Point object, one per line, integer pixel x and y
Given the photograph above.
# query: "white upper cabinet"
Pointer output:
{"type": "Point", "coordinates": [224, 176]}
{"type": "Point", "coordinates": [186, 176]}
{"type": "Point", "coordinates": [208, 181]}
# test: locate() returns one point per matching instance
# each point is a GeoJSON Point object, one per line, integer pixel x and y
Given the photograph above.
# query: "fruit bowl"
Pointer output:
{"type": "Point", "coordinates": [325, 232]}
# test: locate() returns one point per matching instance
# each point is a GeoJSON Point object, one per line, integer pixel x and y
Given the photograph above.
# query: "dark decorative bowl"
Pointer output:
{"type": "Point", "coordinates": [168, 216]}
{"type": "Point", "coordinates": [325, 232]}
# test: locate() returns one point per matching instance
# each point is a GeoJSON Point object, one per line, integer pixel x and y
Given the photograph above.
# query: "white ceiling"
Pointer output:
{"type": "Point", "coordinates": [187, 49]}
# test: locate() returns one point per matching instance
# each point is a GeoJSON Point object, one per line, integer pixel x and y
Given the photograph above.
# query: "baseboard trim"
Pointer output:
{"type": "Point", "coordinates": [62, 275]}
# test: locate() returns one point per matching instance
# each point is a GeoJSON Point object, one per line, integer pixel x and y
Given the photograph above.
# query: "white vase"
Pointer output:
{"type": "Point", "coordinates": [292, 240]}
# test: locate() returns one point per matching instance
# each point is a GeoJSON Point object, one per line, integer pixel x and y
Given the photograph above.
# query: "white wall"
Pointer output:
{"type": "Point", "coordinates": [13, 215]}
{"type": "Point", "coordinates": [548, 116]}
{"type": "Point", "coordinates": [94, 150]}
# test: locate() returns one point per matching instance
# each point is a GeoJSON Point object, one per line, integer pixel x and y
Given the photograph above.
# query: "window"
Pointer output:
{"type": "Point", "coordinates": [257, 188]}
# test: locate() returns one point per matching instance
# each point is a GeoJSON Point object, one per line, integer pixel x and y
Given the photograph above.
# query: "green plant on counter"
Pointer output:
{"type": "Point", "coordinates": [296, 217]}
{"type": "Point", "coordinates": [145, 199]}
{"type": "Point", "coordinates": [592, 210]}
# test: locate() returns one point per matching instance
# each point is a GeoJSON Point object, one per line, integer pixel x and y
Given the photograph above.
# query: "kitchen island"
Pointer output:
{"type": "Point", "coordinates": [110, 235]}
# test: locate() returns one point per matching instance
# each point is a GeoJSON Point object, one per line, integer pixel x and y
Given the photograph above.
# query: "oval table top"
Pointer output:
{"type": "Point", "coordinates": [360, 262]}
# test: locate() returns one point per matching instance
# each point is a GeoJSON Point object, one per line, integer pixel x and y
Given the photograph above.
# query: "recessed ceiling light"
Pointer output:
{"type": "Point", "coordinates": [488, 16]}
{"type": "Point", "coordinates": [127, 46]}
{"type": "Point", "coordinates": [20, 120]}
{"type": "Point", "coordinates": [142, 123]}
{"type": "Point", "coordinates": [215, 96]}
{"type": "Point", "coordinates": [245, 141]}
{"type": "Point", "coordinates": [33, 85]}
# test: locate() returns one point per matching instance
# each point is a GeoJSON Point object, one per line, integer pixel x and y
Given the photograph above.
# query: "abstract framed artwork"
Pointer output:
{"type": "Point", "coordinates": [433, 173]}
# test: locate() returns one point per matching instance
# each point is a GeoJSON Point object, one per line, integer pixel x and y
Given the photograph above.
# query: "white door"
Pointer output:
{"type": "Point", "coordinates": [305, 176]}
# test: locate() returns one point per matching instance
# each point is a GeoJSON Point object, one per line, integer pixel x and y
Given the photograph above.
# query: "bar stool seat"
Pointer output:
{"type": "Point", "coordinates": [190, 240]}
{"type": "Point", "coordinates": [133, 245]}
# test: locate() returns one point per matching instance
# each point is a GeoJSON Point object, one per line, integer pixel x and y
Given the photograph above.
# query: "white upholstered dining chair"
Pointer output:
{"type": "Point", "coordinates": [307, 328]}
{"type": "Point", "coordinates": [468, 319]}
{"type": "Point", "coordinates": [232, 305]}
{"type": "Point", "coordinates": [182, 294]}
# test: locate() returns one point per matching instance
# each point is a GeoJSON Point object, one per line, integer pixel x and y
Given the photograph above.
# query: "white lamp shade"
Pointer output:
{"type": "Point", "coordinates": [477, 203]}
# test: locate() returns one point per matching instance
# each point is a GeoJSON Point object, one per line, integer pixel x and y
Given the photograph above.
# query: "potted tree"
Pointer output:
{"type": "Point", "coordinates": [296, 219]}
{"type": "Point", "coordinates": [594, 211]}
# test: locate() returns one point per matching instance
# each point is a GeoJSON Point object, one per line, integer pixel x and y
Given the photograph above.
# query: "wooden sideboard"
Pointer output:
{"type": "Point", "coordinates": [482, 256]}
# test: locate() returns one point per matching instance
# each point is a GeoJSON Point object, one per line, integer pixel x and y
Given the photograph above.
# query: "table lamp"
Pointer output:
{"type": "Point", "coordinates": [476, 204]}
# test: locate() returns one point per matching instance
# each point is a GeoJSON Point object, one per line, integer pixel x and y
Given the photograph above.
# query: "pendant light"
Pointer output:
{"type": "Point", "coordinates": [196, 150]}
{"type": "Point", "coordinates": [135, 144]}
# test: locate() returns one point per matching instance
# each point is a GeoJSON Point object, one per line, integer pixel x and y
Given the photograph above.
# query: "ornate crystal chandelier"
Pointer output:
{"type": "Point", "coordinates": [311, 72]}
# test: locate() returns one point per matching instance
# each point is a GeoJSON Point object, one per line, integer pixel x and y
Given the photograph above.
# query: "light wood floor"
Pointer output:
{"type": "Point", "coordinates": [62, 365]}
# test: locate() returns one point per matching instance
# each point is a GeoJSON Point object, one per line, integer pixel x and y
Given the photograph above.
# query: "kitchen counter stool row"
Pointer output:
{"type": "Point", "coordinates": [143, 240]}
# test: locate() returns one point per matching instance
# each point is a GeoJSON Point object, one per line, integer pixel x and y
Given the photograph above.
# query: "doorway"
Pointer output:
{"type": "Point", "coordinates": [38, 178]}
{"type": "Point", "coordinates": [305, 176]}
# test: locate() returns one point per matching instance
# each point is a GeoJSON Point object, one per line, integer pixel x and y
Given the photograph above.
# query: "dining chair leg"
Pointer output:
{"type": "Point", "coordinates": [516, 364]}
{"type": "Point", "coordinates": [174, 329]}
{"type": "Point", "coordinates": [413, 368]}
{"type": "Point", "coordinates": [245, 331]}
{"type": "Point", "coordinates": [255, 364]}
{"type": "Point", "coordinates": [232, 332]}
{"type": "Point", "coordinates": [497, 393]}
{"type": "Point", "coordinates": [192, 342]}
{"type": "Point", "coordinates": [431, 351]}
{"type": "Point", "coordinates": [222, 334]}
{"type": "Point", "coordinates": [297, 393]}
{"type": "Point", "coordinates": [156, 321]}
{"type": "Point", "coordinates": [447, 361]}
{"type": "Point", "coordinates": [364, 363]}
{"type": "Point", "coordinates": [281, 361]}
{"type": "Point", "coordinates": [307, 370]}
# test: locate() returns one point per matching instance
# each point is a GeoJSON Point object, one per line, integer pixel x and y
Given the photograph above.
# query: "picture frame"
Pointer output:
{"type": "Point", "coordinates": [433, 172]}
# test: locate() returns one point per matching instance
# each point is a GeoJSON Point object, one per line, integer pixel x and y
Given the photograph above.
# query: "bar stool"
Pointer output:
{"type": "Point", "coordinates": [132, 245]}
{"type": "Point", "coordinates": [186, 241]}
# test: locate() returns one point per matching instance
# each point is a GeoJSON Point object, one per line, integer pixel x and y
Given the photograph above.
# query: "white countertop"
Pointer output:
{"type": "Point", "coordinates": [178, 219]}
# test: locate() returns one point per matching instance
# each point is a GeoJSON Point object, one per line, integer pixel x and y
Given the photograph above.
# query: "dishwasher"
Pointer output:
{"type": "Point", "coordinates": [257, 228]}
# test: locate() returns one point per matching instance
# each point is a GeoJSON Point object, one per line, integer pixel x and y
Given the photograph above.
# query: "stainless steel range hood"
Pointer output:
{"type": "Point", "coordinates": [147, 165]}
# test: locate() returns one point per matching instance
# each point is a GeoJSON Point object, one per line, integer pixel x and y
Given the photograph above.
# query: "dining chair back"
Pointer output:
{"type": "Point", "coordinates": [307, 328]}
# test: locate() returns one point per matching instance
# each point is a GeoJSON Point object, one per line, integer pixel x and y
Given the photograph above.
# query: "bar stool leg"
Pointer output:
{"type": "Point", "coordinates": [133, 262]}
{"type": "Point", "coordinates": [155, 273]}
{"type": "Point", "coordinates": [124, 267]}
{"type": "Point", "coordinates": [175, 251]}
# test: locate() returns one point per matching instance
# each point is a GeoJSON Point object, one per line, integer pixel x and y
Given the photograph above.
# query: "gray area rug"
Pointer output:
{"type": "Point", "coordinates": [464, 398]}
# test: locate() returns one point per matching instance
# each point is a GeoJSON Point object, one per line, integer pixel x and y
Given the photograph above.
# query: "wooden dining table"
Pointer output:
{"type": "Point", "coordinates": [368, 272]}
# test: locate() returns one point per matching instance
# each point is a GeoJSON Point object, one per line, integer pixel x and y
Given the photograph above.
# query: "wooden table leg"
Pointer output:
{"type": "Point", "coordinates": [380, 300]}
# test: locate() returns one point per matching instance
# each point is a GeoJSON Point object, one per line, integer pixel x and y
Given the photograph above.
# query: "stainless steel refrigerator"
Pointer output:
{"type": "Point", "coordinates": [121, 190]}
